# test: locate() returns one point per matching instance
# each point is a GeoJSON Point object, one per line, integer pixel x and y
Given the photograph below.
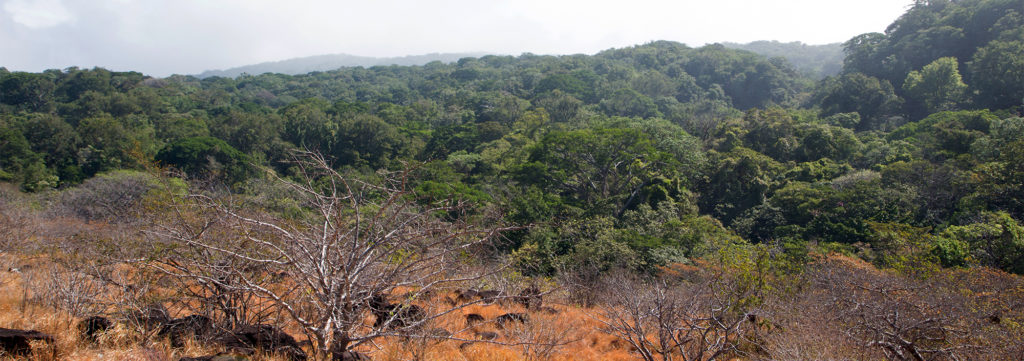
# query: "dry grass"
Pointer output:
{"type": "Point", "coordinates": [800, 328]}
{"type": "Point", "coordinates": [571, 334]}
{"type": "Point", "coordinates": [20, 308]}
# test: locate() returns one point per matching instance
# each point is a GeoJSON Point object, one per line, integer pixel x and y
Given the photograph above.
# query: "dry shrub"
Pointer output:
{"type": "Point", "coordinates": [668, 319]}
{"type": "Point", "coordinates": [802, 328]}
{"type": "Point", "coordinates": [115, 197]}
{"type": "Point", "coordinates": [18, 223]}
{"type": "Point", "coordinates": [353, 248]}
{"type": "Point", "coordinates": [899, 317]}
{"type": "Point", "coordinates": [544, 335]}
{"type": "Point", "coordinates": [71, 291]}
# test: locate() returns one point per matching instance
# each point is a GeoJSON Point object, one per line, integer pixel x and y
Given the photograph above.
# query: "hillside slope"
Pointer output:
{"type": "Point", "coordinates": [329, 62]}
{"type": "Point", "coordinates": [816, 61]}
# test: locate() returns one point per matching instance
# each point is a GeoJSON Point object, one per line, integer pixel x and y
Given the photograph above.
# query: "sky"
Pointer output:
{"type": "Point", "coordinates": [163, 37]}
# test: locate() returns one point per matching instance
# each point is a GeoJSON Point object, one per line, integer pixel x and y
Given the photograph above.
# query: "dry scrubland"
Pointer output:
{"type": "Point", "coordinates": [571, 329]}
{"type": "Point", "coordinates": [124, 243]}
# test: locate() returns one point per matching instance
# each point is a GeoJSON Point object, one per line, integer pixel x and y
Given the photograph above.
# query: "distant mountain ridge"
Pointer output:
{"type": "Point", "coordinates": [817, 61]}
{"type": "Point", "coordinates": [328, 62]}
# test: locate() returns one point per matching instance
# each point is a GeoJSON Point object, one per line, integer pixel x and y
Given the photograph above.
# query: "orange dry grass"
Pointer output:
{"type": "Point", "coordinates": [572, 329]}
{"type": "Point", "coordinates": [20, 310]}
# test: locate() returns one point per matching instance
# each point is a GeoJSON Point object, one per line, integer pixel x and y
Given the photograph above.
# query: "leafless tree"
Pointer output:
{"type": "Point", "coordinates": [114, 197]}
{"type": "Point", "coordinates": [357, 246]}
{"type": "Point", "coordinates": [17, 222]}
{"type": "Point", "coordinates": [904, 318]}
{"type": "Point", "coordinates": [663, 319]}
{"type": "Point", "coordinates": [75, 292]}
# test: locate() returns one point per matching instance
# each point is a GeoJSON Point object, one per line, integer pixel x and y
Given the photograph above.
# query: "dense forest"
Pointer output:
{"type": "Point", "coordinates": [309, 64]}
{"type": "Point", "coordinates": [638, 158]}
{"type": "Point", "coordinates": [639, 142]}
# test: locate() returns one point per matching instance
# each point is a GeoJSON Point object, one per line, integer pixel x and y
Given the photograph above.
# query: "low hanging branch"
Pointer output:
{"type": "Point", "coordinates": [358, 243]}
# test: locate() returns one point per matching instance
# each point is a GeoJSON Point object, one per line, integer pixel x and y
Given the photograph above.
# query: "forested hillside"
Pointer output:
{"type": "Point", "coordinates": [816, 61]}
{"type": "Point", "coordinates": [310, 64]}
{"type": "Point", "coordinates": [646, 158]}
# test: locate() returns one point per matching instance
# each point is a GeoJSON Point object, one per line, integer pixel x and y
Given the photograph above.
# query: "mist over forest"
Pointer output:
{"type": "Point", "coordinates": [760, 201]}
{"type": "Point", "coordinates": [318, 63]}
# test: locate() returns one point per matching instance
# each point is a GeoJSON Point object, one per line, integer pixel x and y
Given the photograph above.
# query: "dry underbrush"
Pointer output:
{"type": "Point", "coordinates": [976, 312]}
{"type": "Point", "coordinates": [566, 335]}
{"type": "Point", "coordinates": [58, 268]}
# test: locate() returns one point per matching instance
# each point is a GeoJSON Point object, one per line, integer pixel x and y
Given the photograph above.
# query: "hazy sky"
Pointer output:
{"type": "Point", "coordinates": [161, 37]}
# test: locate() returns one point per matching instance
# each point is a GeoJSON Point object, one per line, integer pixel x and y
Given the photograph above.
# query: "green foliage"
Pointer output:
{"type": "Point", "coordinates": [430, 191]}
{"type": "Point", "coordinates": [748, 80]}
{"type": "Point", "coordinates": [27, 91]}
{"type": "Point", "coordinates": [367, 140]}
{"type": "Point", "coordinates": [206, 156]}
{"type": "Point", "coordinates": [817, 61]}
{"type": "Point", "coordinates": [909, 250]}
{"type": "Point", "coordinates": [947, 134]}
{"type": "Point", "coordinates": [604, 169]}
{"type": "Point", "coordinates": [985, 34]}
{"type": "Point", "coordinates": [630, 103]}
{"type": "Point", "coordinates": [1001, 133]}
{"type": "Point", "coordinates": [633, 158]}
{"type": "Point", "coordinates": [937, 87]}
{"type": "Point", "coordinates": [107, 144]}
{"type": "Point", "coordinates": [1002, 181]}
{"type": "Point", "coordinates": [739, 180]}
{"type": "Point", "coordinates": [997, 240]}
{"type": "Point", "coordinates": [872, 99]}
{"type": "Point", "coordinates": [19, 164]}
{"type": "Point", "coordinates": [997, 72]}
{"type": "Point", "coordinates": [939, 189]}
{"type": "Point", "coordinates": [951, 252]}
{"type": "Point", "coordinates": [820, 170]}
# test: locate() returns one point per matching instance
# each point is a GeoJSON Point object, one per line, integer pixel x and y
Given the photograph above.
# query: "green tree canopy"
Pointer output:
{"type": "Point", "coordinates": [936, 87]}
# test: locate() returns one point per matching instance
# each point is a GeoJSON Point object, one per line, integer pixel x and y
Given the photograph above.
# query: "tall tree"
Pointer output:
{"type": "Point", "coordinates": [936, 87]}
{"type": "Point", "coordinates": [997, 73]}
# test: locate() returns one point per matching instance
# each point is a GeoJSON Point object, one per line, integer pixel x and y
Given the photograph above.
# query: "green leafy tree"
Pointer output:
{"type": "Point", "coordinates": [207, 156]}
{"type": "Point", "coordinates": [76, 82]}
{"type": "Point", "coordinates": [27, 91]}
{"type": "Point", "coordinates": [253, 131]}
{"type": "Point", "coordinates": [107, 145]}
{"type": "Point", "coordinates": [367, 140]}
{"type": "Point", "coordinates": [819, 141]}
{"type": "Point", "coordinates": [605, 170]}
{"type": "Point", "coordinates": [308, 125]}
{"type": "Point", "coordinates": [864, 54]}
{"type": "Point", "coordinates": [936, 87]}
{"type": "Point", "coordinates": [19, 164]}
{"type": "Point", "coordinates": [997, 74]}
{"type": "Point", "coordinates": [946, 134]}
{"type": "Point", "coordinates": [630, 103]}
{"type": "Point", "coordinates": [172, 127]}
{"type": "Point", "coordinates": [1002, 181]}
{"type": "Point", "coordinates": [561, 106]}
{"type": "Point", "coordinates": [736, 181]}
{"type": "Point", "coordinates": [873, 99]}
{"type": "Point", "coordinates": [996, 241]}
{"type": "Point", "coordinates": [58, 142]}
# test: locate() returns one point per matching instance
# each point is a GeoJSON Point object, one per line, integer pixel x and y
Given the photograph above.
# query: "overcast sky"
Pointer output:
{"type": "Point", "coordinates": [161, 37]}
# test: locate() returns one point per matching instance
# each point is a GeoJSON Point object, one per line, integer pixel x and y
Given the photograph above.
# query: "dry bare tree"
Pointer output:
{"type": "Point", "coordinates": [18, 223]}
{"type": "Point", "coordinates": [704, 319]}
{"type": "Point", "coordinates": [904, 318]}
{"type": "Point", "coordinates": [356, 247]}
